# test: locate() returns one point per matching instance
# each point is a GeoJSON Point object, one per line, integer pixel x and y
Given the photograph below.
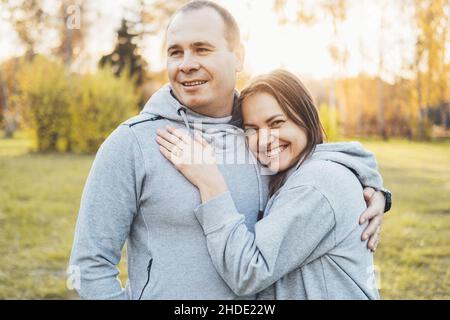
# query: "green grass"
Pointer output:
{"type": "Point", "coordinates": [414, 253]}
{"type": "Point", "coordinates": [40, 194]}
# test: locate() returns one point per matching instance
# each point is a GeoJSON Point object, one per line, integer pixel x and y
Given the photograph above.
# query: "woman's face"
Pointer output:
{"type": "Point", "coordinates": [273, 138]}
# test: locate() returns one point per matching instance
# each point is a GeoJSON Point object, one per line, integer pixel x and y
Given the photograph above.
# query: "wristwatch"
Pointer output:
{"type": "Point", "coordinates": [388, 197]}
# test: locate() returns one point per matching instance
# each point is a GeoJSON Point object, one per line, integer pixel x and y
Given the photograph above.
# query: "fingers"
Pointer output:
{"type": "Point", "coordinates": [375, 207]}
{"type": "Point", "coordinates": [180, 148]}
{"type": "Point", "coordinates": [374, 240]}
{"type": "Point", "coordinates": [167, 154]}
{"type": "Point", "coordinates": [371, 229]}
{"type": "Point", "coordinates": [168, 136]}
{"type": "Point", "coordinates": [179, 134]}
{"type": "Point", "coordinates": [173, 141]}
{"type": "Point", "coordinates": [368, 214]}
{"type": "Point", "coordinates": [368, 193]}
{"type": "Point", "coordinates": [198, 137]}
{"type": "Point", "coordinates": [168, 145]}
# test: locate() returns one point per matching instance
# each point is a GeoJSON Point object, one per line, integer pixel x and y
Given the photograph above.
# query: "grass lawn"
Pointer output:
{"type": "Point", "coordinates": [40, 194]}
{"type": "Point", "coordinates": [414, 253]}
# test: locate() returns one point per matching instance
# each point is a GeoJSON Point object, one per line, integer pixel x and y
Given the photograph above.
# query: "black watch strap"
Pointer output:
{"type": "Point", "coordinates": [388, 197]}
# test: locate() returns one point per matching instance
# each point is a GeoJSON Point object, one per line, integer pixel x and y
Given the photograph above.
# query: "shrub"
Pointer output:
{"type": "Point", "coordinates": [103, 101]}
{"type": "Point", "coordinates": [45, 97]}
{"type": "Point", "coordinates": [72, 112]}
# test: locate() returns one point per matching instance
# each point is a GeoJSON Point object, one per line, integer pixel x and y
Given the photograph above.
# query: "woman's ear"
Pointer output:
{"type": "Point", "coordinates": [239, 53]}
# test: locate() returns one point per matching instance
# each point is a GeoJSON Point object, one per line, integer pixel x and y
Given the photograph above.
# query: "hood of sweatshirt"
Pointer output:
{"type": "Point", "coordinates": [351, 155]}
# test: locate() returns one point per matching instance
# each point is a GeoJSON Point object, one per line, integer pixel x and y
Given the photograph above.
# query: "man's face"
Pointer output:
{"type": "Point", "coordinates": [201, 65]}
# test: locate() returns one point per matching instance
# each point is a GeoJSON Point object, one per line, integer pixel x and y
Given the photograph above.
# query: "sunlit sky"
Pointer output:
{"type": "Point", "coordinates": [301, 49]}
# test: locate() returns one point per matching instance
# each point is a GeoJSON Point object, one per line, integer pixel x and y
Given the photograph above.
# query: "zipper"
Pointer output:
{"type": "Point", "coordinates": [148, 277]}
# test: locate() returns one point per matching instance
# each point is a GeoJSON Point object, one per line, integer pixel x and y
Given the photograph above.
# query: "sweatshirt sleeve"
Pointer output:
{"type": "Point", "coordinates": [108, 205]}
{"type": "Point", "coordinates": [251, 262]}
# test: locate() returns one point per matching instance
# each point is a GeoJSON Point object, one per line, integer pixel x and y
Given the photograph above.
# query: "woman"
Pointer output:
{"type": "Point", "coordinates": [307, 245]}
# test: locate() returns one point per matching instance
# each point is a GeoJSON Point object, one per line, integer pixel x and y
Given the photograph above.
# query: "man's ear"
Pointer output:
{"type": "Point", "coordinates": [239, 54]}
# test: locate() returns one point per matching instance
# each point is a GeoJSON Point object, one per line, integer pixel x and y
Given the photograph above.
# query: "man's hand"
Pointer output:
{"type": "Point", "coordinates": [374, 214]}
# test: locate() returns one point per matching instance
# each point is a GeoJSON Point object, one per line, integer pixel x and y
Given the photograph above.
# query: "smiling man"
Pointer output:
{"type": "Point", "coordinates": [134, 195]}
{"type": "Point", "coordinates": [202, 60]}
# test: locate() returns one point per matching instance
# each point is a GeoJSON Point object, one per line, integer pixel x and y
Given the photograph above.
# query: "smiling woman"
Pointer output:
{"type": "Point", "coordinates": [274, 138]}
{"type": "Point", "coordinates": [280, 112]}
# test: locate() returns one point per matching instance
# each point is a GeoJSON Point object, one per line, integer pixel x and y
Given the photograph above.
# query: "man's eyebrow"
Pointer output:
{"type": "Point", "coordinates": [202, 44]}
{"type": "Point", "coordinates": [173, 46]}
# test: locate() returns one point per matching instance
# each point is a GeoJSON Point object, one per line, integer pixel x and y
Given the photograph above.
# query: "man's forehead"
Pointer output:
{"type": "Point", "coordinates": [202, 25]}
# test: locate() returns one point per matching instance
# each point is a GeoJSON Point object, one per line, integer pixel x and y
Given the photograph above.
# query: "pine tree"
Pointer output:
{"type": "Point", "coordinates": [126, 56]}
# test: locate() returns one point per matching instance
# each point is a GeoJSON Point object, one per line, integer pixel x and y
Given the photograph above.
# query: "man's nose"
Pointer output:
{"type": "Point", "coordinates": [189, 63]}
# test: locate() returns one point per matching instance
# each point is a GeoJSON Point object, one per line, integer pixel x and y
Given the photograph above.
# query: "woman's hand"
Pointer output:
{"type": "Point", "coordinates": [194, 158]}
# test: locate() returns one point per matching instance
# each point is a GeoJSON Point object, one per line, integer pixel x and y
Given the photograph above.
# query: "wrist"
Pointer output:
{"type": "Point", "coordinates": [212, 189]}
{"type": "Point", "coordinates": [388, 199]}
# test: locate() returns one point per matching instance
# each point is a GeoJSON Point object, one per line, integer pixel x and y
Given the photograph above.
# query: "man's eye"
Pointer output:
{"type": "Point", "coordinates": [250, 131]}
{"type": "Point", "coordinates": [202, 50]}
{"type": "Point", "coordinates": [174, 53]}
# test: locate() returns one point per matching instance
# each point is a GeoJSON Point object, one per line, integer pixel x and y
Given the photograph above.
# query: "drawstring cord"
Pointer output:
{"type": "Point", "coordinates": [182, 112]}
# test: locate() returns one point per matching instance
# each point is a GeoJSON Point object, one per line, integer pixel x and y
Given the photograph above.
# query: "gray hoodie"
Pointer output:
{"type": "Point", "coordinates": [134, 195]}
{"type": "Point", "coordinates": [308, 244]}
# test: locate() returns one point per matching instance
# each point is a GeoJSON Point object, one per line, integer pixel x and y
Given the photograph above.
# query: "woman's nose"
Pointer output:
{"type": "Point", "coordinates": [265, 137]}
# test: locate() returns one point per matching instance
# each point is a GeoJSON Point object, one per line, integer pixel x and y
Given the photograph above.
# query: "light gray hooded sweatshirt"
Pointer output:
{"type": "Point", "coordinates": [134, 195]}
{"type": "Point", "coordinates": [308, 244]}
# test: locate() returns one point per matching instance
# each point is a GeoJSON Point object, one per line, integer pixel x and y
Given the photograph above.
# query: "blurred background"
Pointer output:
{"type": "Point", "coordinates": [71, 71]}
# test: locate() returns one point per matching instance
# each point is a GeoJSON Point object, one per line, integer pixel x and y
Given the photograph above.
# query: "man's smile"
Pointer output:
{"type": "Point", "coordinates": [193, 83]}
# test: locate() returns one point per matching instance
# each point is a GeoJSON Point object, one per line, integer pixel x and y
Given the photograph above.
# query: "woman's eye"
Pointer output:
{"type": "Point", "coordinates": [249, 131]}
{"type": "Point", "coordinates": [277, 123]}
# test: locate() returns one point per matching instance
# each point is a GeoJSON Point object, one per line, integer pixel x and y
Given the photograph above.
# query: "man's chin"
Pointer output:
{"type": "Point", "coordinates": [193, 103]}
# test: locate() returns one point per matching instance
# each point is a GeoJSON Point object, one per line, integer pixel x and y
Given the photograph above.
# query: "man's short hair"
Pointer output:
{"type": "Point", "coordinates": [232, 33]}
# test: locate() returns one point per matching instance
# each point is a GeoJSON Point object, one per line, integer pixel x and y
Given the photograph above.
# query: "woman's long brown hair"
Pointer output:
{"type": "Point", "coordinates": [298, 105]}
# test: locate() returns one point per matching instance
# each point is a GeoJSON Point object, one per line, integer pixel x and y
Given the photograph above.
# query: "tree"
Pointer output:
{"type": "Point", "coordinates": [9, 92]}
{"type": "Point", "coordinates": [3, 101]}
{"type": "Point", "coordinates": [71, 24]}
{"type": "Point", "coordinates": [308, 13]}
{"type": "Point", "coordinates": [432, 22]}
{"type": "Point", "coordinates": [126, 56]}
{"type": "Point", "coordinates": [380, 85]}
{"type": "Point", "coordinates": [29, 20]}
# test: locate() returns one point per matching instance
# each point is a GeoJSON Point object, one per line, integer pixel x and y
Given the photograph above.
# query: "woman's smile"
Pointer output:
{"type": "Point", "coordinates": [276, 151]}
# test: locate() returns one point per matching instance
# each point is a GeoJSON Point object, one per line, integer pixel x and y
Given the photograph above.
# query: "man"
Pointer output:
{"type": "Point", "coordinates": [133, 194]}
